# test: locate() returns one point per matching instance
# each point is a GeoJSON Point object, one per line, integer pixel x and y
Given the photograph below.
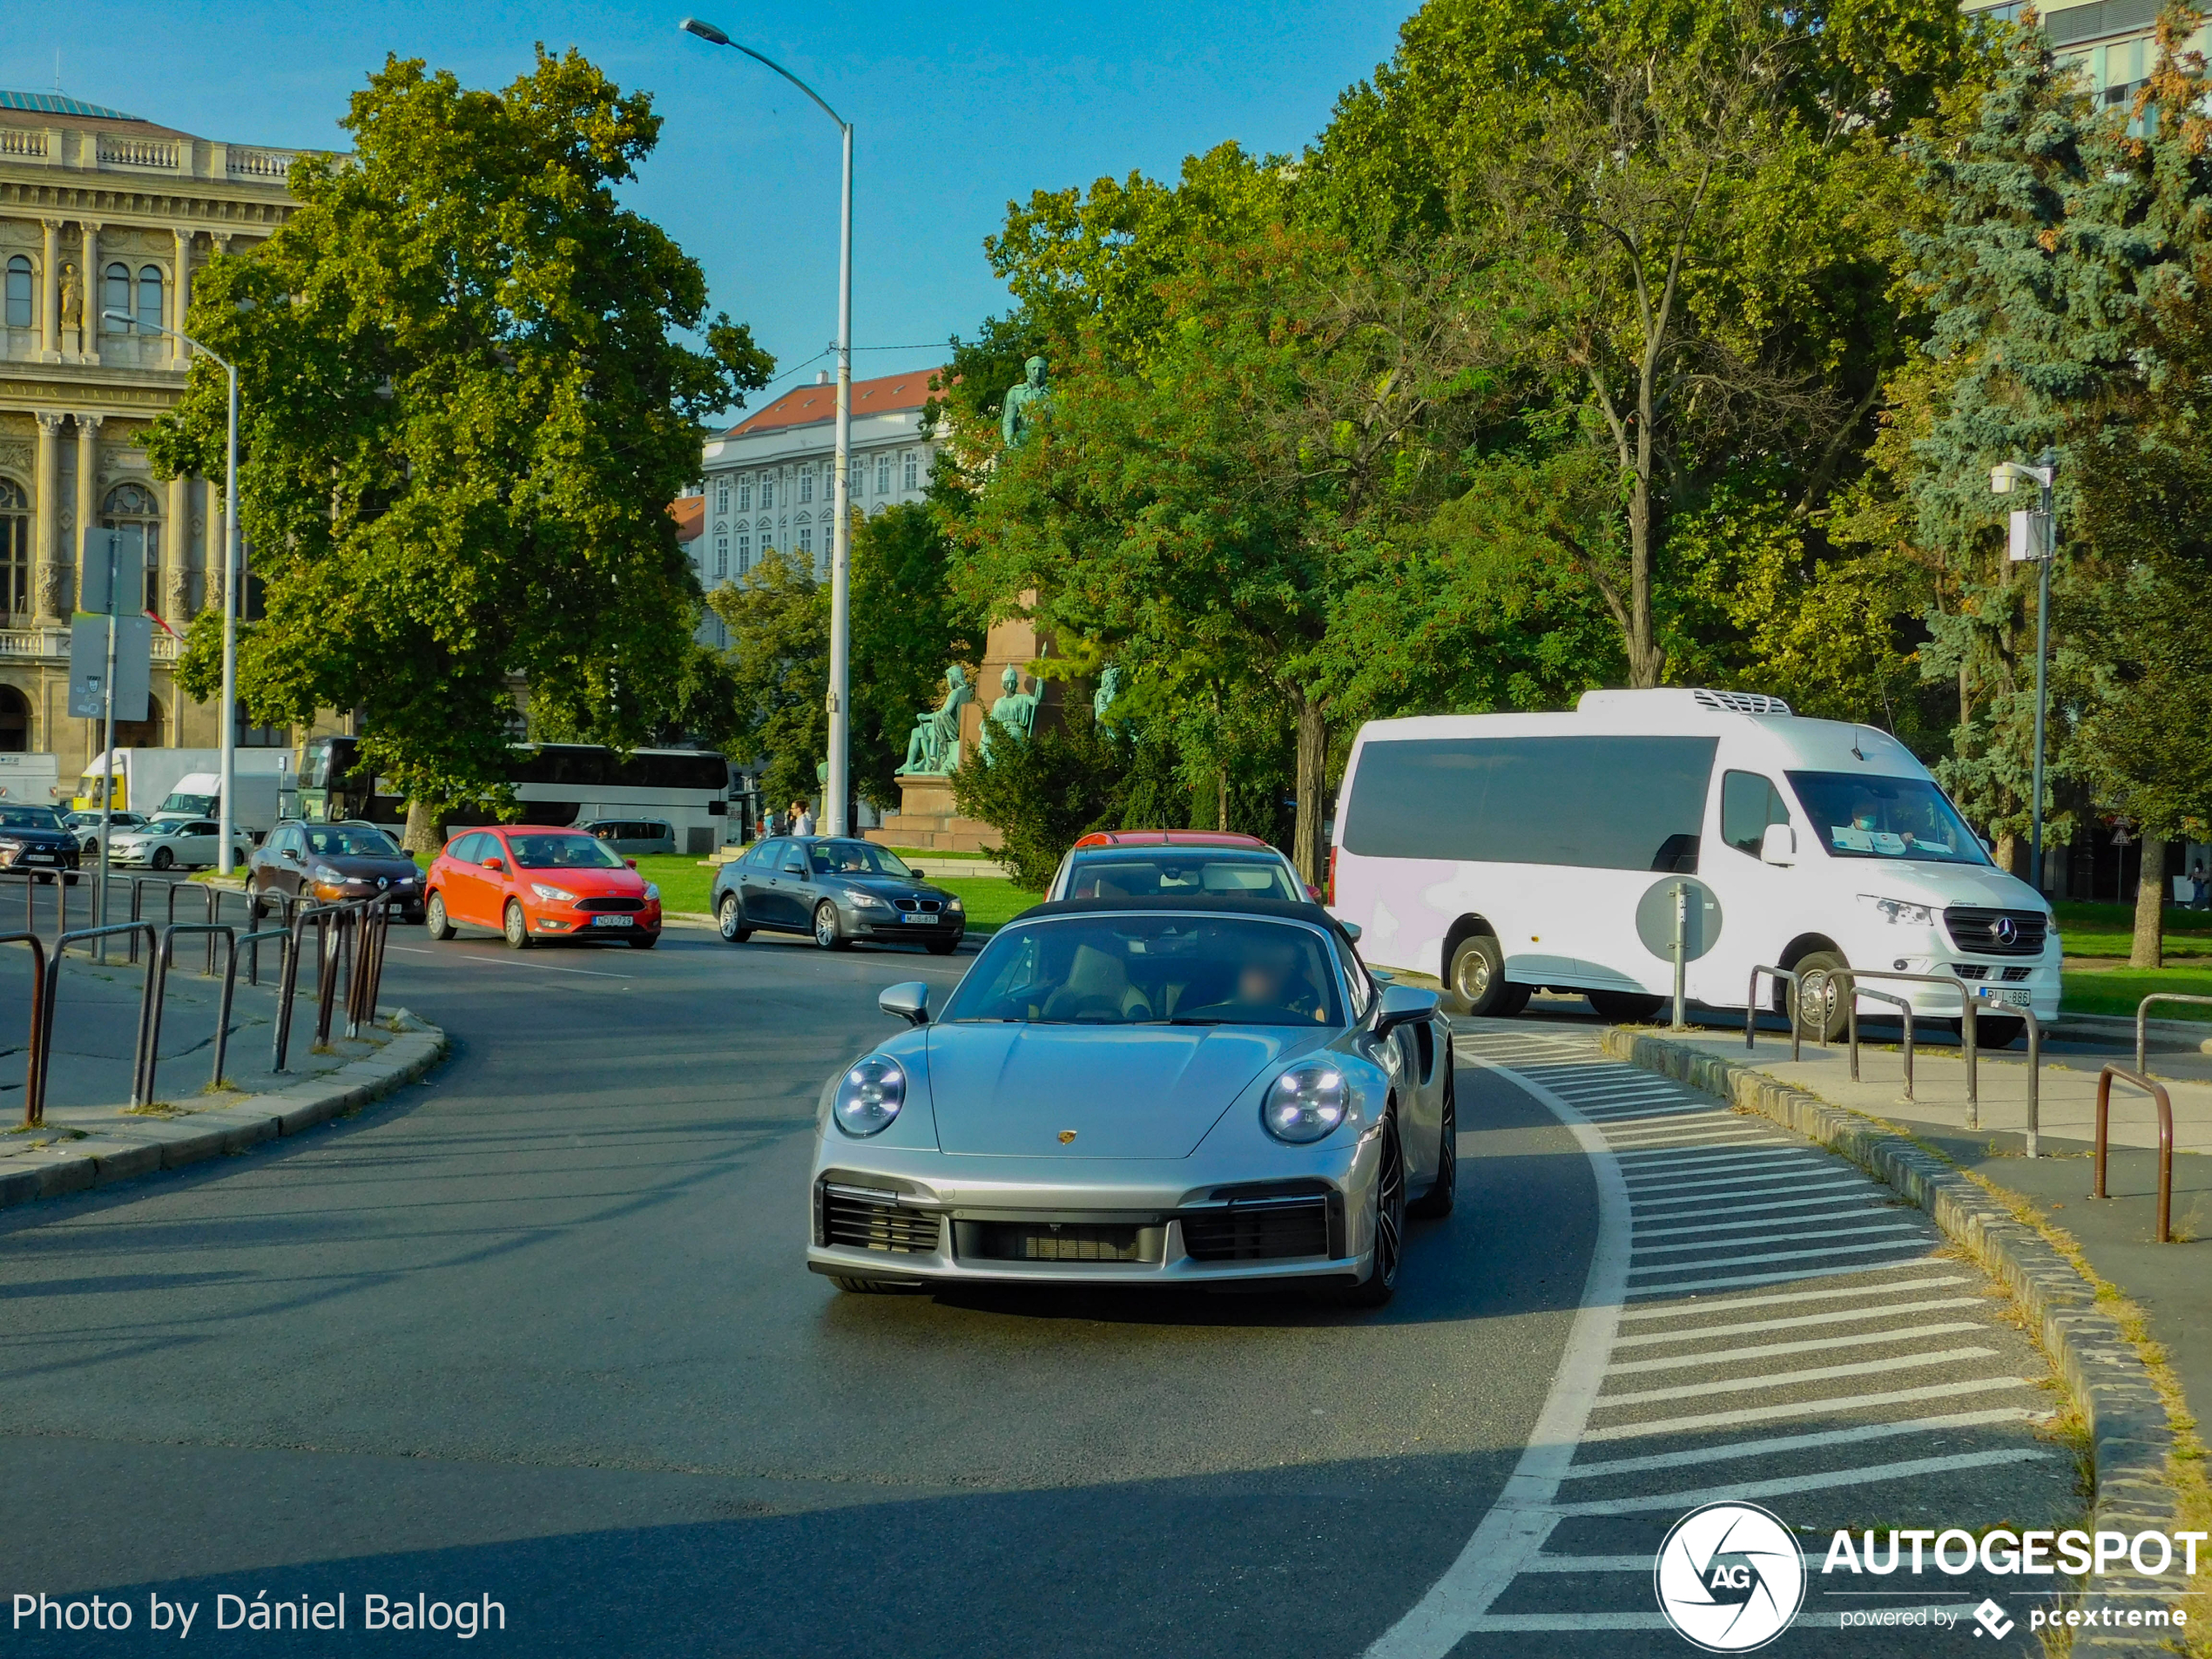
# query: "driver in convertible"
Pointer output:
{"type": "Point", "coordinates": [1273, 978]}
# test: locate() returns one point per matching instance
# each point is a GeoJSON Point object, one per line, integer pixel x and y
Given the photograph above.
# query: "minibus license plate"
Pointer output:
{"type": "Point", "coordinates": [2012, 999]}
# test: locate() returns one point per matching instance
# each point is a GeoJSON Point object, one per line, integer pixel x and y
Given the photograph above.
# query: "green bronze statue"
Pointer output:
{"type": "Point", "coordinates": [1016, 712]}
{"type": "Point", "coordinates": [1109, 687]}
{"type": "Point", "coordinates": [1026, 405]}
{"type": "Point", "coordinates": [932, 747]}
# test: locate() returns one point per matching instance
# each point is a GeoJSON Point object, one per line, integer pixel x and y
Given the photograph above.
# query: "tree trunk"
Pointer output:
{"type": "Point", "coordinates": [1646, 662]}
{"type": "Point", "coordinates": [421, 828]}
{"type": "Point", "coordinates": [2148, 949]}
{"type": "Point", "coordinates": [1221, 797]}
{"type": "Point", "coordinates": [1306, 849]}
{"type": "Point", "coordinates": [2010, 856]}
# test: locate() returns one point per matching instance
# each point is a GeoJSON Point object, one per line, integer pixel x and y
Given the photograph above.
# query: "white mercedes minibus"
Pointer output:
{"type": "Point", "coordinates": [1508, 852]}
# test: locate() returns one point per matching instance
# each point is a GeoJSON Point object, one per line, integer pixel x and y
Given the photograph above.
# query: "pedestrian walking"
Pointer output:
{"type": "Point", "coordinates": [2200, 891]}
{"type": "Point", "coordinates": [802, 819]}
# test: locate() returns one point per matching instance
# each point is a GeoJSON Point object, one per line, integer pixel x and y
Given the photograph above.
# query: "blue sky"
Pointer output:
{"type": "Point", "coordinates": [957, 108]}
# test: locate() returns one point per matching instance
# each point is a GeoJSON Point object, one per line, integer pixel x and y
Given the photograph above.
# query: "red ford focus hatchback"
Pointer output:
{"type": "Point", "coordinates": [530, 882]}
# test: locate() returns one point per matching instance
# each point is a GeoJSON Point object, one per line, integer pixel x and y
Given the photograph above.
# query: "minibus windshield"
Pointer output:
{"type": "Point", "coordinates": [1859, 817]}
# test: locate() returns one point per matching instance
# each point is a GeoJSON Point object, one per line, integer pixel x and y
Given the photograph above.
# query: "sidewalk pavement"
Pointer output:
{"type": "Point", "coordinates": [2172, 1282]}
{"type": "Point", "coordinates": [91, 1136]}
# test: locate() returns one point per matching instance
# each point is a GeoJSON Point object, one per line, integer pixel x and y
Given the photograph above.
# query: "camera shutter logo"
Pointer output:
{"type": "Point", "coordinates": [1730, 1577]}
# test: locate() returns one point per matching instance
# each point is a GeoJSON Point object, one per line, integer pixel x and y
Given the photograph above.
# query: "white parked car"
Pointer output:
{"type": "Point", "coordinates": [176, 843]}
{"type": "Point", "coordinates": [86, 827]}
{"type": "Point", "coordinates": [1513, 852]}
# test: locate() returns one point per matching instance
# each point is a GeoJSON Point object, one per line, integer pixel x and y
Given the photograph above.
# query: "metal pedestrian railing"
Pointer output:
{"type": "Point", "coordinates": [1967, 1004]}
{"type": "Point", "coordinates": [2165, 1104]}
{"type": "Point", "coordinates": [42, 1044]}
{"type": "Point", "coordinates": [1850, 1020]}
{"type": "Point", "coordinates": [2034, 1067]}
{"type": "Point", "coordinates": [2142, 1022]}
{"type": "Point", "coordinates": [1780, 975]}
{"type": "Point", "coordinates": [34, 1078]}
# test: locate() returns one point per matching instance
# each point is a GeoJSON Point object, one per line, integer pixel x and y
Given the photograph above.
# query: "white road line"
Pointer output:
{"type": "Point", "coordinates": [1769, 1205]}
{"type": "Point", "coordinates": [1824, 1251]}
{"type": "Point", "coordinates": [1677, 1286]}
{"type": "Point", "coordinates": [1810, 1345]}
{"type": "Point", "coordinates": [1789, 1379]}
{"type": "Point", "coordinates": [1599, 1098]}
{"type": "Point", "coordinates": [1881, 1311]}
{"type": "Point", "coordinates": [1657, 1425]}
{"type": "Point", "coordinates": [506, 961]}
{"type": "Point", "coordinates": [1866, 1474]}
{"type": "Point", "coordinates": [1859, 1231]}
{"type": "Point", "coordinates": [1736, 1186]}
{"type": "Point", "coordinates": [1522, 1518]}
{"type": "Point", "coordinates": [1775, 1443]}
{"type": "Point", "coordinates": [1767, 1222]}
{"type": "Point", "coordinates": [1739, 1163]}
{"type": "Point", "coordinates": [1711, 1138]}
{"type": "Point", "coordinates": [1701, 1310]}
{"type": "Point", "coordinates": [1623, 1115]}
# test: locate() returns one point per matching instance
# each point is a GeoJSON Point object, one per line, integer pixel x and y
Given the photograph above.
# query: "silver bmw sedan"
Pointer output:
{"type": "Point", "coordinates": [1142, 1091]}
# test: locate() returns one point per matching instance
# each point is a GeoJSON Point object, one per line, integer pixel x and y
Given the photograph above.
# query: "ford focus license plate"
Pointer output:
{"type": "Point", "coordinates": [614, 921]}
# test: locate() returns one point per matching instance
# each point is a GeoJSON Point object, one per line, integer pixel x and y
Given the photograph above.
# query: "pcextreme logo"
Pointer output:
{"type": "Point", "coordinates": [1730, 1577]}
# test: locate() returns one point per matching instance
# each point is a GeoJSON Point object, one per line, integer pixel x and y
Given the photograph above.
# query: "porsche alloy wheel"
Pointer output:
{"type": "Point", "coordinates": [1437, 1201]}
{"type": "Point", "coordinates": [729, 920]}
{"type": "Point", "coordinates": [1390, 1222]}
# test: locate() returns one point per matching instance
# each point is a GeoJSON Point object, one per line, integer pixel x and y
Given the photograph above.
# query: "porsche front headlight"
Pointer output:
{"type": "Point", "coordinates": [1305, 1103]}
{"type": "Point", "coordinates": [870, 1094]}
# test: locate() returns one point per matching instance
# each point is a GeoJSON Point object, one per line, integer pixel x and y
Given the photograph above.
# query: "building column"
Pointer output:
{"type": "Point", "coordinates": [49, 295]}
{"type": "Point", "coordinates": [88, 487]}
{"type": "Point", "coordinates": [210, 563]}
{"type": "Point", "coordinates": [176, 592]}
{"type": "Point", "coordinates": [180, 353]}
{"type": "Point", "coordinates": [47, 582]}
{"type": "Point", "coordinates": [92, 288]}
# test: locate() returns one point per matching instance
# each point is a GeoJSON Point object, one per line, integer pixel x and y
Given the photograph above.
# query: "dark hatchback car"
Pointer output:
{"type": "Point", "coordinates": [839, 891]}
{"type": "Point", "coordinates": [34, 838]}
{"type": "Point", "coordinates": [329, 863]}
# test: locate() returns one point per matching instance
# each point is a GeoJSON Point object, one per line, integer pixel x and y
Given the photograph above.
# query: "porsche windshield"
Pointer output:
{"type": "Point", "coordinates": [1151, 970]}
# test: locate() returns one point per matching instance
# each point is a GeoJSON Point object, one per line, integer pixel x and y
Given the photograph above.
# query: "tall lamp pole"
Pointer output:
{"type": "Point", "coordinates": [227, 813]}
{"type": "Point", "coordinates": [837, 788]}
{"type": "Point", "coordinates": [2034, 538]}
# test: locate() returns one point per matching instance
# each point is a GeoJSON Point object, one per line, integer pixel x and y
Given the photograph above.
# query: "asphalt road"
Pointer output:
{"type": "Point", "coordinates": [540, 1332]}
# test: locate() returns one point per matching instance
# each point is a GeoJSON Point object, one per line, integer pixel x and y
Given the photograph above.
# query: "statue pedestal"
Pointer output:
{"type": "Point", "coordinates": [927, 818]}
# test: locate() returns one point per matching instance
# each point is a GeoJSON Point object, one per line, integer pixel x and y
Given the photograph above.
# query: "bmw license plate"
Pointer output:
{"type": "Point", "coordinates": [2012, 999]}
{"type": "Point", "coordinates": [918, 915]}
{"type": "Point", "coordinates": [614, 921]}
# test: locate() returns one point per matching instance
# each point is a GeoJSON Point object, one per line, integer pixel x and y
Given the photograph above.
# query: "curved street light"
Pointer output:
{"type": "Point", "coordinates": [836, 788]}
{"type": "Point", "coordinates": [226, 814]}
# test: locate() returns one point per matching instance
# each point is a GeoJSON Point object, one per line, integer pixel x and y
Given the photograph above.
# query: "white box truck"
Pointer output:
{"type": "Point", "coordinates": [1509, 852]}
{"type": "Point", "coordinates": [30, 780]}
{"type": "Point", "coordinates": [146, 778]}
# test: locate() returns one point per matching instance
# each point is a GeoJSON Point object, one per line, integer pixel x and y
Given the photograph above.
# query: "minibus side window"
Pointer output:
{"type": "Point", "coordinates": [1749, 804]}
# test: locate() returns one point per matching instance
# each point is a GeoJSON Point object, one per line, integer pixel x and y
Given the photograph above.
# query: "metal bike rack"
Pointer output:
{"type": "Point", "coordinates": [1967, 1003]}
{"type": "Point", "coordinates": [45, 1040]}
{"type": "Point", "coordinates": [1850, 1020]}
{"type": "Point", "coordinates": [2142, 1022]}
{"type": "Point", "coordinates": [2034, 1069]}
{"type": "Point", "coordinates": [158, 978]}
{"type": "Point", "coordinates": [33, 1105]}
{"type": "Point", "coordinates": [54, 879]}
{"type": "Point", "coordinates": [2157, 1092]}
{"type": "Point", "coordinates": [1751, 1006]}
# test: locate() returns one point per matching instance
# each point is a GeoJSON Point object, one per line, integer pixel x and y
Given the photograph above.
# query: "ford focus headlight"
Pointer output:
{"type": "Point", "coordinates": [1903, 912]}
{"type": "Point", "coordinates": [652, 893]}
{"type": "Point", "coordinates": [1305, 1103]}
{"type": "Point", "coordinates": [870, 1096]}
{"type": "Point", "coordinates": [552, 894]}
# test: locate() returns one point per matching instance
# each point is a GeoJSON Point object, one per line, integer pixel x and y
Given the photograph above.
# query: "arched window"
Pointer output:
{"type": "Point", "coordinates": [132, 506]}
{"type": "Point", "coordinates": [149, 298]}
{"type": "Point", "coordinates": [19, 314]}
{"type": "Point", "coordinates": [15, 547]}
{"type": "Point", "coordinates": [115, 296]}
{"type": "Point", "coordinates": [15, 723]}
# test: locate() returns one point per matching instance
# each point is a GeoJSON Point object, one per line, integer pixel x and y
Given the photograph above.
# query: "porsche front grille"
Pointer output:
{"type": "Point", "coordinates": [851, 1222]}
{"type": "Point", "coordinates": [1258, 1230]}
{"type": "Point", "coordinates": [1020, 1241]}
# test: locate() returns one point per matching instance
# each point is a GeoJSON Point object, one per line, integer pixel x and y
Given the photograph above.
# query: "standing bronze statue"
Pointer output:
{"type": "Point", "coordinates": [1026, 404]}
{"type": "Point", "coordinates": [1016, 712]}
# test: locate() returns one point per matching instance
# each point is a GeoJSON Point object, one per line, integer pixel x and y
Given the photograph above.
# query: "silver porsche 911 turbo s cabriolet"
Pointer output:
{"type": "Point", "coordinates": [1142, 1091]}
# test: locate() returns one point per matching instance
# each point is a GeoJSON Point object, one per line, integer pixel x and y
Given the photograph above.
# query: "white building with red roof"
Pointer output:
{"type": "Point", "coordinates": [769, 480]}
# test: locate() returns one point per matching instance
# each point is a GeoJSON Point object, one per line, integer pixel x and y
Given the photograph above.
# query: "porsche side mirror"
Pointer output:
{"type": "Point", "coordinates": [1778, 845]}
{"type": "Point", "coordinates": [909, 1001]}
{"type": "Point", "coordinates": [1402, 1005]}
{"type": "Point", "coordinates": [632, 863]}
{"type": "Point", "coordinates": [1350, 930]}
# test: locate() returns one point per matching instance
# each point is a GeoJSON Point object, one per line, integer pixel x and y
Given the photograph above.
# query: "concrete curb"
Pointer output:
{"type": "Point", "coordinates": [143, 1146]}
{"type": "Point", "coordinates": [2130, 1432]}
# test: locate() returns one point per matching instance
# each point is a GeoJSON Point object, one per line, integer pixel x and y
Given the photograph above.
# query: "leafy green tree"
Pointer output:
{"type": "Point", "coordinates": [467, 406]}
{"type": "Point", "coordinates": [908, 627]}
{"type": "Point", "coordinates": [1044, 793]}
{"type": "Point", "coordinates": [779, 666]}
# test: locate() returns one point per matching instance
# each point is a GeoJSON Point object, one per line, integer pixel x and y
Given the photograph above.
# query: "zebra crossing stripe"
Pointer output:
{"type": "Point", "coordinates": [1879, 1310]}
{"type": "Point", "coordinates": [1796, 1408]}
{"type": "Point", "coordinates": [1827, 1479]}
{"type": "Point", "coordinates": [1774, 1443]}
{"type": "Point", "coordinates": [1698, 1310]}
{"type": "Point", "coordinates": [1823, 1253]}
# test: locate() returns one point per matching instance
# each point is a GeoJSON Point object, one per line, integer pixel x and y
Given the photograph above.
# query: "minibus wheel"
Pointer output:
{"type": "Point", "coordinates": [1991, 1030]}
{"type": "Point", "coordinates": [1822, 1015]}
{"type": "Point", "coordinates": [1476, 982]}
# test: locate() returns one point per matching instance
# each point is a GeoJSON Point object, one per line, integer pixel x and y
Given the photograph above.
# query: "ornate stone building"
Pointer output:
{"type": "Point", "coordinates": [102, 211]}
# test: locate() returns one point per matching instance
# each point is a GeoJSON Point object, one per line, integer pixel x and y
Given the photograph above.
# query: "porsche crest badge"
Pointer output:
{"type": "Point", "coordinates": [1066, 1136]}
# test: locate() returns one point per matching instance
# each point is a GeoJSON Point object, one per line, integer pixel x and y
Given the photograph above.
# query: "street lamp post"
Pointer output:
{"type": "Point", "coordinates": [2034, 538]}
{"type": "Point", "coordinates": [836, 787]}
{"type": "Point", "coordinates": [227, 813]}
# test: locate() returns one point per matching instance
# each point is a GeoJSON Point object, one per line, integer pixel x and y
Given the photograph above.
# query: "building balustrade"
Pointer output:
{"type": "Point", "coordinates": [19, 642]}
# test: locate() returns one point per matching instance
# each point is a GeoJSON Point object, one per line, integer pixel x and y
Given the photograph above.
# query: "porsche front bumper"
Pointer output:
{"type": "Point", "coordinates": [922, 1218]}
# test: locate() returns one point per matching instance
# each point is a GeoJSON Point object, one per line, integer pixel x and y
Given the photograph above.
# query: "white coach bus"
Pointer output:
{"type": "Point", "coordinates": [1506, 854]}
